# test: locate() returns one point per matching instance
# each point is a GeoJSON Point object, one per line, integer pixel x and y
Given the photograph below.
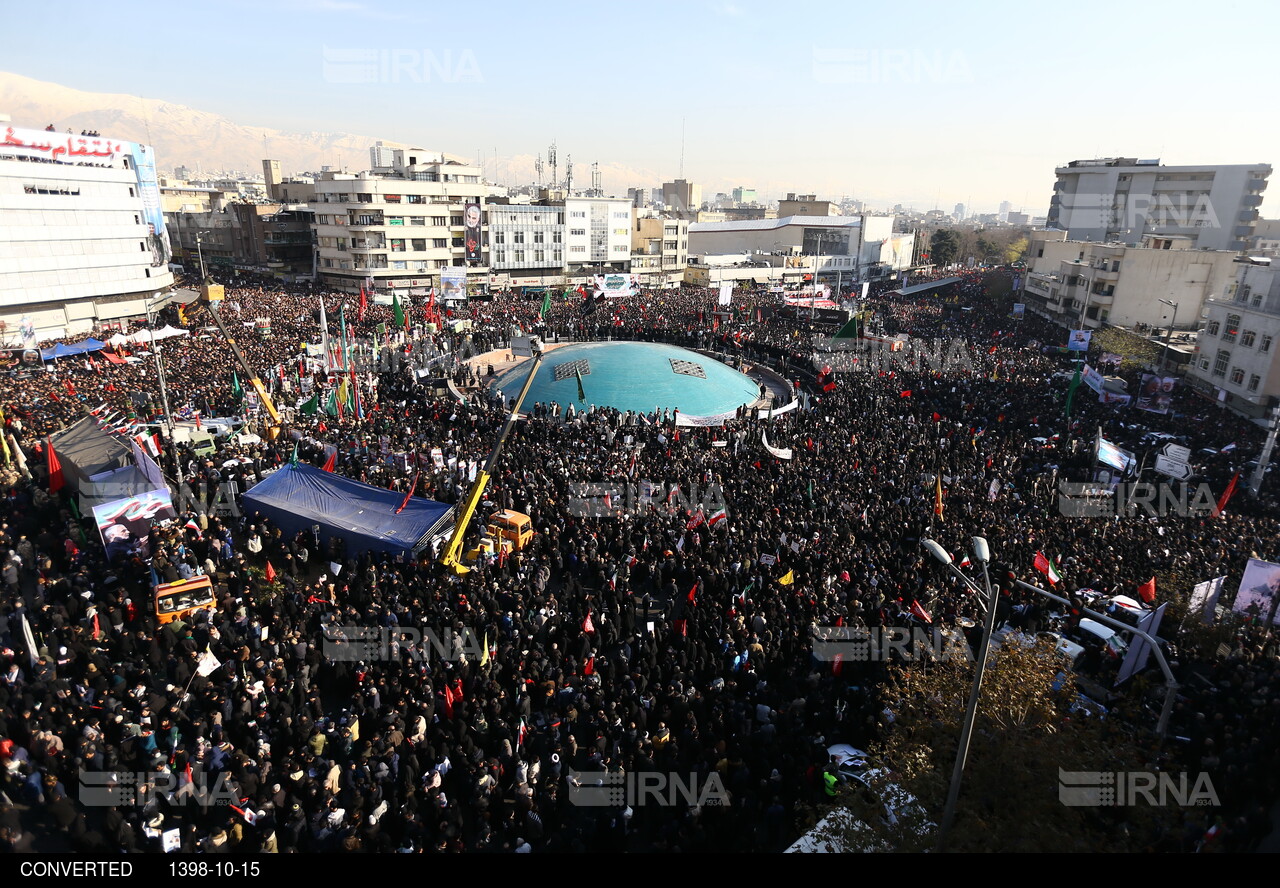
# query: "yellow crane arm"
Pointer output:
{"type": "Point", "coordinates": [451, 557]}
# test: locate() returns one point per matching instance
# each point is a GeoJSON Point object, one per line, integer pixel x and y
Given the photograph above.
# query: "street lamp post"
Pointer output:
{"type": "Point", "coordinates": [200, 253]}
{"type": "Point", "coordinates": [164, 392]}
{"type": "Point", "coordinates": [981, 553]}
{"type": "Point", "coordinates": [1169, 334]}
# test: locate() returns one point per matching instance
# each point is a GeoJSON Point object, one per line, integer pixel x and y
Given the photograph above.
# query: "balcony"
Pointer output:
{"type": "Point", "coordinates": [1242, 231]}
{"type": "Point", "coordinates": [1251, 200]}
{"type": "Point", "coordinates": [1256, 184]}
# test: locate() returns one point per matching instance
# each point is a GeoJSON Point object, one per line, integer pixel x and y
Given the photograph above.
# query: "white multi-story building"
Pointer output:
{"type": "Point", "coordinates": [1085, 285]}
{"type": "Point", "coordinates": [82, 233]}
{"type": "Point", "coordinates": [526, 244]}
{"type": "Point", "coordinates": [597, 235]}
{"type": "Point", "coordinates": [847, 247]}
{"type": "Point", "coordinates": [401, 224]}
{"type": "Point", "coordinates": [1123, 199]}
{"type": "Point", "coordinates": [1236, 361]}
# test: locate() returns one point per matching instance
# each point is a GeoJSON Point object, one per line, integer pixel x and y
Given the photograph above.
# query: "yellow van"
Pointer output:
{"type": "Point", "coordinates": [182, 599]}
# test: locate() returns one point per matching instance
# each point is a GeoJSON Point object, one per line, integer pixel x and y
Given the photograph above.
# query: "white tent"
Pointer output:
{"type": "Point", "coordinates": [118, 340]}
{"type": "Point", "coordinates": [145, 336]}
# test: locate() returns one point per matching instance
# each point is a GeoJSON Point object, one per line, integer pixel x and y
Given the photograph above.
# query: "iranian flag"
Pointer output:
{"type": "Point", "coordinates": [1046, 567]}
{"type": "Point", "coordinates": [717, 517]}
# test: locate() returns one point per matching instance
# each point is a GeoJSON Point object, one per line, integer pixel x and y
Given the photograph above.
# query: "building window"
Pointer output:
{"type": "Point", "coordinates": [417, 220]}
{"type": "Point", "coordinates": [1254, 381]}
{"type": "Point", "coordinates": [555, 237]}
{"type": "Point", "coordinates": [499, 237]}
{"type": "Point", "coordinates": [439, 221]}
{"type": "Point", "coordinates": [538, 237]}
{"type": "Point", "coordinates": [577, 249]}
{"type": "Point", "coordinates": [577, 232]}
{"type": "Point", "coordinates": [539, 256]}
{"type": "Point", "coordinates": [1246, 338]}
{"type": "Point", "coordinates": [440, 243]}
{"type": "Point", "coordinates": [1265, 344]}
{"type": "Point", "coordinates": [1220, 363]}
{"type": "Point", "coordinates": [455, 220]}
{"type": "Point", "coordinates": [419, 243]}
{"type": "Point", "coordinates": [517, 237]}
{"type": "Point", "coordinates": [1212, 328]}
{"type": "Point", "coordinates": [1237, 376]}
{"type": "Point", "coordinates": [1204, 363]}
{"type": "Point", "coordinates": [1233, 327]}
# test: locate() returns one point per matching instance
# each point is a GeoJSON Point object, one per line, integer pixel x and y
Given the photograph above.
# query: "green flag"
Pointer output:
{"type": "Point", "coordinates": [546, 305]}
{"type": "Point", "coordinates": [293, 460]}
{"type": "Point", "coordinates": [312, 407]}
{"type": "Point", "coordinates": [382, 329]}
{"type": "Point", "coordinates": [399, 312]}
{"type": "Point", "coordinates": [849, 330]}
{"type": "Point", "coordinates": [236, 390]}
{"type": "Point", "coordinates": [331, 406]}
{"type": "Point", "coordinates": [582, 394]}
{"type": "Point", "coordinates": [1071, 392]}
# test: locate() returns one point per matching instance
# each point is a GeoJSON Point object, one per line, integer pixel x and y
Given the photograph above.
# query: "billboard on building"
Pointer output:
{"type": "Point", "coordinates": [144, 166]}
{"type": "Point", "coordinates": [471, 236]}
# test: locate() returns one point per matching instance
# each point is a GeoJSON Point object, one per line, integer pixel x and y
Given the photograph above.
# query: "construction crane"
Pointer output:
{"type": "Point", "coordinates": [209, 294]}
{"type": "Point", "coordinates": [452, 553]}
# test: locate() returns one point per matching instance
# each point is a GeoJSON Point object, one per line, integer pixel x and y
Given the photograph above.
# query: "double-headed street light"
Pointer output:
{"type": "Point", "coordinates": [982, 554]}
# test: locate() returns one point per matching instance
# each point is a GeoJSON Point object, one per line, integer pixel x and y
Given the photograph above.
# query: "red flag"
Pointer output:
{"type": "Point", "coordinates": [409, 494]}
{"type": "Point", "coordinates": [1226, 495]}
{"type": "Point", "coordinates": [992, 350]}
{"type": "Point", "coordinates": [1147, 591]}
{"type": "Point", "coordinates": [451, 696]}
{"type": "Point", "coordinates": [364, 303]}
{"type": "Point", "coordinates": [693, 594]}
{"type": "Point", "coordinates": [56, 479]}
{"type": "Point", "coordinates": [837, 664]}
{"type": "Point", "coordinates": [905, 394]}
{"type": "Point", "coordinates": [331, 461]}
{"type": "Point", "coordinates": [270, 573]}
{"type": "Point", "coordinates": [937, 417]}
{"type": "Point", "coordinates": [587, 625]}
{"type": "Point", "coordinates": [589, 668]}
{"type": "Point", "coordinates": [682, 626]}
{"type": "Point", "coordinates": [919, 612]}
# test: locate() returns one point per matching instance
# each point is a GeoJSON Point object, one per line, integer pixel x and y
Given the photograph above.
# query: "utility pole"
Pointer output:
{"type": "Point", "coordinates": [1264, 459]}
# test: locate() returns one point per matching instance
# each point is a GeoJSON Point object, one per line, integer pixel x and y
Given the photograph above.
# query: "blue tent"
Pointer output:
{"type": "Point", "coordinates": [297, 497]}
{"type": "Point", "coordinates": [62, 350]}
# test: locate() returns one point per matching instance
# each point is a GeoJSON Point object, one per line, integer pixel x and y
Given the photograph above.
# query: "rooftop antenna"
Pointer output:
{"type": "Point", "coordinates": [568, 174]}
{"type": "Point", "coordinates": [537, 168]}
{"type": "Point", "coordinates": [681, 176]}
{"type": "Point", "coordinates": [595, 179]}
{"type": "Point", "coordinates": [551, 162]}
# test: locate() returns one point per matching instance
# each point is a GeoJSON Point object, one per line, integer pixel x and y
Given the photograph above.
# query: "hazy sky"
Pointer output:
{"type": "Point", "coordinates": [920, 103]}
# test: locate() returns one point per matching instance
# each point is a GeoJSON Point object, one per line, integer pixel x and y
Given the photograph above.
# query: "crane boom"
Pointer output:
{"type": "Point", "coordinates": [254, 380]}
{"type": "Point", "coordinates": [452, 552]}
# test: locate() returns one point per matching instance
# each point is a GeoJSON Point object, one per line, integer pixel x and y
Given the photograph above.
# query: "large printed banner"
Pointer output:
{"type": "Point", "coordinates": [453, 283]}
{"type": "Point", "coordinates": [779, 452]}
{"type": "Point", "coordinates": [125, 524]}
{"type": "Point", "coordinates": [616, 286]}
{"type": "Point", "coordinates": [471, 232]}
{"type": "Point", "coordinates": [684, 419]}
{"type": "Point", "coordinates": [1079, 340]}
{"type": "Point", "coordinates": [1156, 393]}
{"type": "Point", "coordinates": [1258, 589]}
{"type": "Point", "coordinates": [1204, 599]}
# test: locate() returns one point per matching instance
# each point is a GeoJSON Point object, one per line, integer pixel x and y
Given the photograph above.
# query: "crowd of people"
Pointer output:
{"type": "Point", "coordinates": [644, 639]}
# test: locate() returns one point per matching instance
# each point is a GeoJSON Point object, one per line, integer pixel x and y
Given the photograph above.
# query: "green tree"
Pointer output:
{"type": "Point", "coordinates": [944, 246]}
{"type": "Point", "coordinates": [1009, 800]}
{"type": "Point", "coordinates": [1016, 250]}
{"type": "Point", "coordinates": [1134, 350]}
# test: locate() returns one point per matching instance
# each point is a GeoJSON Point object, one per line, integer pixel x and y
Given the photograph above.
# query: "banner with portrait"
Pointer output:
{"type": "Point", "coordinates": [471, 232]}
{"type": "Point", "coordinates": [125, 524]}
{"type": "Point", "coordinates": [1156, 393]}
{"type": "Point", "coordinates": [1258, 590]}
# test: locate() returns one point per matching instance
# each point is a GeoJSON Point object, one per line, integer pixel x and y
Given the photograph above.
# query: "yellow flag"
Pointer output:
{"type": "Point", "coordinates": [788, 579]}
{"type": "Point", "coordinates": [4, 439]}
{"type": "Point", "coordinates": [484, 657]}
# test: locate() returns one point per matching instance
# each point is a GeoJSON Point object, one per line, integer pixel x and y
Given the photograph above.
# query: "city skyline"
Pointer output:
{"type": "Point", "coordinates": [726, 95]}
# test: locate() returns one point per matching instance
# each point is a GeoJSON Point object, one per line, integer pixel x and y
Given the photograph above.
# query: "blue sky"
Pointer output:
{"type": "Point", "coordinates": [914, 103]}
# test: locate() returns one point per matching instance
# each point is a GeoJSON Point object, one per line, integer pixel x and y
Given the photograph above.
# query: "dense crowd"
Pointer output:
{"type": "Point", "coordinates": [648, 640]}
